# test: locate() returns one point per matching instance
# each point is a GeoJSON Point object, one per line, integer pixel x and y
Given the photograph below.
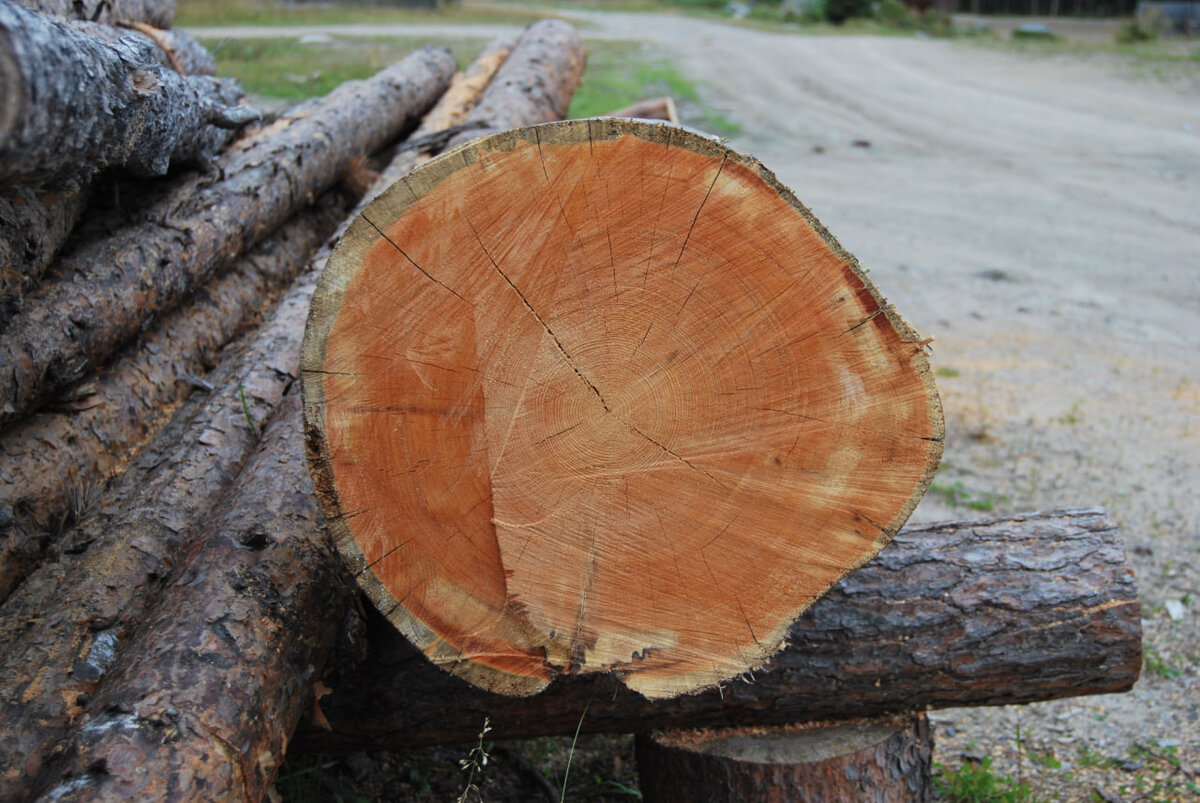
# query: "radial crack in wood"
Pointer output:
{"type": "Point", "coordinates": [570, 385]}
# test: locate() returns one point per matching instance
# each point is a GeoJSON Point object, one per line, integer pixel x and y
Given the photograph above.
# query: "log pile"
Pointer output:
{"type": "Point", "coordinates": [174, 612]}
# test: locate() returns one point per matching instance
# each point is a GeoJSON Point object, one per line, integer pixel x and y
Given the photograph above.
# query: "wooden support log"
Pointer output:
{"type": "Point", "coordinates": [75, 104]}
{"type": "Point", "coordinates": [61, 629]}
{"type": "Point", "coordinates": [724, 374]}
{"type": "Point", "coordinates": [159, 13]}
{"type": "Point", "coordinates": [268, 535]}
{"type": "Point", "coordinates": [884, 761]}
{"type": "Point", "coordinates": [650, 109]}
{"type": "Point", "coordinates": [54, 460]}
{"type": "Point", "coordinates": [996, 612]}
{"type": "Point", "coordinates": [114, 287]}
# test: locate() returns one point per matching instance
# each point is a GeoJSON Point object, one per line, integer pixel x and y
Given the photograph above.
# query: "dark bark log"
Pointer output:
{"type": "Point", "coordinates": [534, 85]}
{"type": "Point", "coordinates": [75, 104]}
{"type": "Point", "coordinates": [63, 454]}
{"type": "Point", "coordinates": [883, 761]}
{"type": "Point", "coordinates": [175, 49]}
{"type": "Point", "coordinates": [113, 288]}
{"type": "Point", "coordinates": [204, 698]}
{"type": "Point", "coordinates": [61, 629]}
{"type": "Point", "coordinates": [159, 13]}
{"type": "Point", "coordinates": [34, 224]}
{"type": "Point", "coordinates": [1016, 610]}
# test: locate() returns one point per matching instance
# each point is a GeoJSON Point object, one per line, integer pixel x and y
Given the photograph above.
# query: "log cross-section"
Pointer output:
{"type": "Point", "coordinates": [603, 396]}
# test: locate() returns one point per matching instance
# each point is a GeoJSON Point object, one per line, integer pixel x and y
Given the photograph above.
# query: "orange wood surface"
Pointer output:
{"type": "Point", "coordinates": [603, 396]}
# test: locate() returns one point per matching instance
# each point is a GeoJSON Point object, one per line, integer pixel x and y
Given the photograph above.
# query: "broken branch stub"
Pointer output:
{"type": "Point", "coordinates": [572, 385]}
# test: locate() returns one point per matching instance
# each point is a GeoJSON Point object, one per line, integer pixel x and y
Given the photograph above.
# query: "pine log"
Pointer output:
{"type": "Point", "coordinates": [116, 286]}
{"type": "Point", "coordinates": [178, 662]}
{"type": "Point", "coordinates": [511, 438]}
{"type": "Point", "coordinates": [174, 49]}
{"type": "Point", "coordinates": [57, 458]}
{"type": "Point", "coordinates": [205, 696]}
{"type": "Point", "coordinates": [650, 109]}
{"type": "Point", "coordinates": [60, 630]}
{"type": "Point", "coordinates": [75, 104]}
{"type": "Point", "coordinates": [883, 761]}
{"type": "Point", "coordinates": [34, 224]}
{"type": "Point", "coordinates": [466, 89]}
{"type": "Point", "coordinates": [159, 13]}
{"type": "Point", "coordinates": [996, 612]}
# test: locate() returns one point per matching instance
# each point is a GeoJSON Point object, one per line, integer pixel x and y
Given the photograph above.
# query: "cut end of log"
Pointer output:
{"type": "Point", "coordinates": [603, 396]}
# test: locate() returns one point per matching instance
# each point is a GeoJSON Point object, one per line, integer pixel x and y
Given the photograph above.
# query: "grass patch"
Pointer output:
{"type": "Point", "coordinates": [946, 372]}
{"type": "Point", "coordinates": [956, 494]}
{"type": "Point", "coordinates": [618, 74]}
{"type": "Point", "coordinates": [206, 13]}
{"type": "Point", "coordinates": [978, 783]}
{"type": "Point", "coordinates": [284, 68]}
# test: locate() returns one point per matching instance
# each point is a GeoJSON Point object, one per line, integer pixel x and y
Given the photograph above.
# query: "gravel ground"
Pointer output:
{"type": "Point", "coordinates": [1039, 215]}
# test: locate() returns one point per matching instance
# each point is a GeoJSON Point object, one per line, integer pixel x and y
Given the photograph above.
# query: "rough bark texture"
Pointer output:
{"type": "Point", "coordinates": [34, 224]}
{"type": "Point", "coordinates": [1017, 610]}
{"type": "Point", "coordinates": [534, 85]}
{"type": "Point", "coordinates": [75, 104]}
{"type": "Point", "coordinates": [112, 288]}
{"type": "Point", "coordinates": [159, 13]}
{"type": "Point", "coordinates": [175, 49]}
{"type": "Point", "coordinates": [872, 761]}
{"type": "Point", "coordinates": [61, 629]}
{"type": "Point", "coordinates": [466, 90]}
{"type": "Point", "coordinates": [711, 366]}
{"type": "Point", "coordinates": [203, 700]}
{"type": "Point", "coordinates": [57, 458]}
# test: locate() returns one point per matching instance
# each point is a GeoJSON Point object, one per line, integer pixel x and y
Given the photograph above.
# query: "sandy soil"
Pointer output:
{"type": "Point", "coordinates": [1040, 217]}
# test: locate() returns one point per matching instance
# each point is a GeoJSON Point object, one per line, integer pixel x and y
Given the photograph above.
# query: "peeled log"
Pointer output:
{"type": "Point", "coordinates": [114, 287]}
{"type": "Point", "coordinates": [882, 761]}
{"type": "Point", "coordinates": [999, 612]}
{"type": "Point", "coordinates": [74, 104]}
{"type": "Point", "coordinates": [571, 384]}
{"type": "Point", "coordinates": [57, 455]}
{"type": "Point", "coordinates": [159, 13]}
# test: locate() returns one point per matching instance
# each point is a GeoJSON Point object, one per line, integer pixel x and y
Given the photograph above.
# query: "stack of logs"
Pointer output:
{"type": "Point", "coordinates": [172, 603]}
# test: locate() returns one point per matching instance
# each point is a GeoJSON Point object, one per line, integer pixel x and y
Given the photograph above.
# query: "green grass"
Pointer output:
{"type": "Point", "coordinates": [946, 372]}
{"type": "Point", "coordinates": [618, 73]}
{"type": "Point", "coordinates": [283, 68]}
{"type": "Point", "coordinates": [206, 13]}
{"type": "Point", "coordinates": [956, 494]}
{"type": "Point", "coordinates": [977, 783]}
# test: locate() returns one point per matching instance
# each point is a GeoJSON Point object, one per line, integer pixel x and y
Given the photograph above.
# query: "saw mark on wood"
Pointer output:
{"type": "Point", "coordinates": [688, 237]}
{"type": "Point", "coordinates": [661, 204]}
{"type": "Point", "coordinates": [558, 343]}
{"type": "Point", "coordinates": [550, 185]}
{"type": "Point", "coordinates": [402, 253]}
{"type": "Point", "coordinates": [676, 455]}
{"type": "Point", "coordinates": [746, 618]}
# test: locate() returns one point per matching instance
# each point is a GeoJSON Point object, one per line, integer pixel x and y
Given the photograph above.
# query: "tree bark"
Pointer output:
{"type": "Point", "coordinates": [1005, 611]}
{"type": "Point", "coordinates": [34, 224]}
{"type": "Point", "coordinates": [62, 627]}
{"type": "Point", "coordinates": [466, 89]}
{"type": "Point", "coordinates": [75, 104]}
{"type": "Point", "coordinates": [159, 13]}
{"type": "Point", "coordinates": [173, 49]}
{"type": "Point", "coordinates": [113, 288]}
{"type": "Point", "coordinates": [883, 761]}
{"type": "Point", "coordinates": [556, 420]}
{"type": "Point", "coordinates": [56, 458]}
{"type": "Point", "coordinates": [206, 694]}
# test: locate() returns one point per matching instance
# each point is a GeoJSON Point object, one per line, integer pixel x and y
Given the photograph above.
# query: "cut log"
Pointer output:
{"type": "Point", "coordinates": [207, 693]}
{"type": "Point", "coordinates": [55, 458]}
{"type": "Point", "coordinates": [999, 612]}
{"type": "Point", "coordinates": [651, 109]}
{"type": "Point", "coordinates": [60, 630]}
{"type": "Point", "coordinates": [883, 761]}
{"type": "Point", "coordinates": [115, 287]}
{"type": "Point", "coordinates": [34, 224]}
{"type": "Point", "coordinates": [575, 382]}
{"type": "Point", "coordinates": [466, 89]}
{"type": "Point", "coordinates": [159, 13]}
{"type": "Point", "coordinates": [75, 104]}
{"type": "Point", "coordinates": [271, 674]}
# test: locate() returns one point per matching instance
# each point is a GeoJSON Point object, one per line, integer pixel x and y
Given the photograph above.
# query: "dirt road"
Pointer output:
{"type": "Point", "coordinates": [1039, 216]}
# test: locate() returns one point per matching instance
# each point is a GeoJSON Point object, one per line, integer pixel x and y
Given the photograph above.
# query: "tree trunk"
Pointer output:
{"type": "Point", "coordinates": [113, 288]}
{"type": "Point", "coordinates": [883, 761]}
{"type": "Point", "coordinates": [60, 630]}
{"type": "Point", "coordinates": [999, 612]}
{"type": "Point", "coordinates": [34, 224]}
{"type": "Point", "coordinates": [176, 50]}
{"type": "Point", "coordinates": [711, 409]}
{"type": "Point", "coordinates": [159, 13]}
{"type": "Point", "coordinates": [206, 694]}
{"type": "Point", "coordinates": [53, 461]}
{"type": "Point", "coordinates": [75, 104]}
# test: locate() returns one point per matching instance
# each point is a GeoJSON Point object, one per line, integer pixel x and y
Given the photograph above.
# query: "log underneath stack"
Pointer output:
{"type": "Point", "coordinates": [1016, 610]}
{"type": "Point", "coordinates": [159, 13]}
{"type": "Point", "coordinates": [883, 761]}
{"type": "Point", "coordinates": [112, 288]}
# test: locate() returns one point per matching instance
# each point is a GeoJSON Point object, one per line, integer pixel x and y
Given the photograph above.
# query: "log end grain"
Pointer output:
{"type": "Point", "coordinates": [569, 385]}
